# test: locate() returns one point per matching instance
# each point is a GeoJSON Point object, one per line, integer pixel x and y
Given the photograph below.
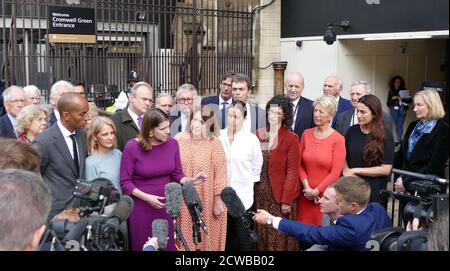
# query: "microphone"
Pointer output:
{"type": "Point", "coordinates": [428, 177]}
{"type": "Point", "coordinates": [173, 199]}
{"type": "Point", "coordinates": [236, 209]}
{"type": "Point", "coordinates": [160, 229]}
{"type": "Point", "coordinates": [194, 205]}
{"type": "Point", "coordinates": [121, 212]}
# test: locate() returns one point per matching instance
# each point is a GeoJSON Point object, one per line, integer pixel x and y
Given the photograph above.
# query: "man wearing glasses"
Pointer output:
{"type": "Point", "coordinates": [221, 102]}
{"type": "Point", "coordinates": [186, 102]}
{"type": "Point", "coordinates": [128, 121]}
{"type": "Point", "coordinates": [14, 101]}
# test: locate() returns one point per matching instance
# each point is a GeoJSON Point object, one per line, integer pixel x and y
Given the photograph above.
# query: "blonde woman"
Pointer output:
{"type": "Point", "coordinates": [92, 113]}
{"type": "Point", "coordinates": [104, 158]}
{"type": "Point", "coordinates": [322, 157]}
{"type": "Point", "coordinates": [31, 121]}
{"type": "Point", "coordinates": [425, 146]}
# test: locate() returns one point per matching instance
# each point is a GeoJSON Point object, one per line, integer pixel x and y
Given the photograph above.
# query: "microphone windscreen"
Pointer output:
{"type": "Point", "coordinates": [123, 208]}
{"type": "Point", "coordinates": [232, 201]}
{"type": "Point", "coordinates": [160, 229]}
{"type": "Point", "coordinates": [191, 197]}
{"type": "Point", "coordinates": [173, 199]}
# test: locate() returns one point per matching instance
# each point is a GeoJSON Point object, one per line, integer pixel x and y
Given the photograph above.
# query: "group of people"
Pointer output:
{"type": "Point", "coordinates": [295, 160]}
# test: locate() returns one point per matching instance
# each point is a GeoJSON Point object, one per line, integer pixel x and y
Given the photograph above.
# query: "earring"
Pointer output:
{"type": "Point", "coordinates": [151, 134]}
{"type": "Point", "coordinates": [95, 145]}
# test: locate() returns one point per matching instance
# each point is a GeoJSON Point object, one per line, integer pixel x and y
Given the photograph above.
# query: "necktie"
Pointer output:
{"type": "Point", "coordinates": [75, 154]}
{"type": "Point", "coordinates": [294, 115]}
{"type": "Point", "coordinates": [223, 112]}
{"type": "Point", "coordinates": [139, 119]}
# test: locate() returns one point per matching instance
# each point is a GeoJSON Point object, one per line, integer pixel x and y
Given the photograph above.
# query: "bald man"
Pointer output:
{"type": "Point", "coordinates": [62, 148]}
{"type": "Point", "coordinates": [333, 86]}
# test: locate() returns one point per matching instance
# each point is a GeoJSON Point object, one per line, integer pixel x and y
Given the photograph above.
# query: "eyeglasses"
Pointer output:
{"type": "Point", "coordinates": [185, 100]}
{"type": "Point", "coordinates": [17, 101]}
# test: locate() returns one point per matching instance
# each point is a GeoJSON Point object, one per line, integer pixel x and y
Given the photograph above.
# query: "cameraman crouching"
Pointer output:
{"type": "Point", "coordinates": [352, 230]}
{"type": "Point", "coordinates": [437, 234]}
{"type": "Point", "coordinates": [25, 202]}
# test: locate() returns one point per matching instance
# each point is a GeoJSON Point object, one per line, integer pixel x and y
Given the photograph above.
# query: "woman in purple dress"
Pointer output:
{"type": "Point", "coordinates": [148, 163]}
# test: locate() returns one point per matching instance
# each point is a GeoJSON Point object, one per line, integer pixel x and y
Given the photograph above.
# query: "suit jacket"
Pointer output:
{"type": "Point", "coordinates": [351, 232]}
{"type": "Point", "coordinates": [283, 166]}
{"type": "Point", "coordinates": [304, 119]}
{"type": "Point", "coordinates": [6, 128]}
{"type": "Point", "coordinates": [344, 120]}
{"type": "Point", "coordinates": [429, 154]}
{"type": "Point", "coordinates": [58, 168]}
{"type": "Point", "coordinates": [52, 119]}
{"type": "Point", "coordinates": [213, 102]}
{"type": "Point", "coordinates": [126, 128]}
{"type": "Point", "coordinates": [343, 105]}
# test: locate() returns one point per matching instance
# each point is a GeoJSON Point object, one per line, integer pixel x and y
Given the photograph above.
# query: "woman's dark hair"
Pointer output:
{"type": "Point", "coordinates": [152, 118]}
{"type": "Point", "coordinates": [374, 149]}
{"type": "Point", "coordinates": [241, 106]}
{"type": "Point", "coordinates": [285, 104]}
{"type": "Point", "coordinates": [208, 117]}
{"type": "Point", "coordinates": [392, 82]}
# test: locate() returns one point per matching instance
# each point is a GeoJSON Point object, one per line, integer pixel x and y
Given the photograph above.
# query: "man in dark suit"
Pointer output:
{"type": "Point", "coordinates": [333, 86]}
{"type": "Point", "coordinates": [128, 121]}
{"type": "Point", "coordinates": [302, 107]}
{"type": "Point", "coordinates": [62, 148]}
{"type": "Point", "coordinates": [14, 100]}
{"type": "Point", "coordinates": [57, 90]}
{"type": "Point", "coordinates": [352, 230]}
{"type": "Point", "coordinates": [241, 91]}
{"type": "Point", "coordinates": [349, 117]}
{"type": "Point", "coordinates": [187, 101]}
{"type": "Point", "coordinates": [221, 102]}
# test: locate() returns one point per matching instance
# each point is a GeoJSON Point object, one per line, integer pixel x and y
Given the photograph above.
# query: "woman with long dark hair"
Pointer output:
{"type": "Point", "coordinates": [398, 106]}
{"type": "Point", "coordinates": [370, 147]}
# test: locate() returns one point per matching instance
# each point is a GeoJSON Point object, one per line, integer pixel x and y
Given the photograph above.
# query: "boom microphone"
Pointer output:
{"type": "Point", "coordinates": [121, 212]}
{"type": "Point", "coordinates": [173, 199]}
{"type": "Point", "coordinates": [194, 204]}
{"type": "Point", "coordinates": [160, 229]}
{"type": "Point", "coordinates": [236, 209]}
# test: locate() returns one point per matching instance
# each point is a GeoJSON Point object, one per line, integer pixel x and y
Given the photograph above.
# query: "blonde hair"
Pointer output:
{"type": "Point", "coordinates": [96, 125]}
{"type": "Point", "coordinates": [353, 189]}
{"type": "Point", "coordinates": [328, 102]}
{"type": "Point", "coordinates": [27, 115]}
{"type": "Point", "coordinates": [434, 103]}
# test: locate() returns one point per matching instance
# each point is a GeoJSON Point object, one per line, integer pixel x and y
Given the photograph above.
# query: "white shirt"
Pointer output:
{"type": "Point", "coordinates": [294, 111]}
{"type": "Point", "coordinates": [66, 134]}
{"type": "Point", "coordinates": [134, 117]}
{"type": "Point", "coordinates": [57, 115]}
{"type": "Point", "coordinates": [121, 101]}
{"type": "Point", "coordinates": [354, 119]}
{"type": "Point", "coordinates": [184, 121]}
{"type": "Point", "coordinates": [221, 101]}
{"type": "Point", "coordinates": [248, 120]}
{"type": "Point", "coordinates": [245, 160]}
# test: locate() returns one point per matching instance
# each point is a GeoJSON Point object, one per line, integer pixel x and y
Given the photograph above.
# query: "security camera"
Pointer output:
{"type": "Point", "coordinates": [329, 36]}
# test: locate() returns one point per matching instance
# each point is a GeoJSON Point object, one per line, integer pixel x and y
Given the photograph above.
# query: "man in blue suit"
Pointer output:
{"type": "Point", "coordinates": [221, 102]}
{"type": "Point", "coordinates": [351, 231]}
{"type": "Point", "coordinates": [333, 86]}
{"type": "Point", "coordinates": [302, 107]}
{"type": "Point", "coordinates": [14, 101]}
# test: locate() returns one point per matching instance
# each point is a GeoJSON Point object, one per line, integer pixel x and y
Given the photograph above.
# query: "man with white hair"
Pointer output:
{"type": "Point", "coordinates": [349, 117]}
{"type": "Point", "coordinates": [14, 100]}
{"type": "Point", "coordinates": [333, 86]}
{"type": "Point", "coordinates": [33, 95]}
{"type": "Point", "coordinates": [164, 101]}
{"type": "Point", "coordinates": [57, 90]}
{"type": "Point", "coordinates": [186, 101]}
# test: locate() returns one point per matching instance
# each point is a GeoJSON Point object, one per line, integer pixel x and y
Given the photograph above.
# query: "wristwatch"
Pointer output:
{"type": "Point", "coordinates": [269, 220]}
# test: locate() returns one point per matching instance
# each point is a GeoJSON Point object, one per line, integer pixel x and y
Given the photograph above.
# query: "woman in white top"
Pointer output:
{"type": "Point", "coordinates": [244, 157]}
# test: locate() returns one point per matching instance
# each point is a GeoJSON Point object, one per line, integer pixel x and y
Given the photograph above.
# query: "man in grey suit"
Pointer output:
{"type": "Point", "coordinates": [62, 148]}
{"type": "Point", "coordinates": [349, 117]}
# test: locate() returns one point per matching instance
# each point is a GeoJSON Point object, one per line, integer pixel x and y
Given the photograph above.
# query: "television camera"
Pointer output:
{"type": "Point", "coordinates": [97, 229]}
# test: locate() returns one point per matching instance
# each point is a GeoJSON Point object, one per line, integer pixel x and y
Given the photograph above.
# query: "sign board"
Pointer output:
{"type": "Point", "coordinates": [71, 24]}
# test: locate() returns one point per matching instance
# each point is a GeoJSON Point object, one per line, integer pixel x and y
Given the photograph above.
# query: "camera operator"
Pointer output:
{"type": "Point", "coordinates": [25, 202]}
{"type": "Point", "coordinates": [352, 230]}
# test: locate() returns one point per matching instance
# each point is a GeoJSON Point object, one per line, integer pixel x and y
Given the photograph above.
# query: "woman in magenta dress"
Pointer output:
{"type": "Point", "coordinates": [148, 163]}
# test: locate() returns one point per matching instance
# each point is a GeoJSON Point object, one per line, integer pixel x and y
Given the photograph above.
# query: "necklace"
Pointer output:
{"type": "Point", "coordinates": [364, 131]}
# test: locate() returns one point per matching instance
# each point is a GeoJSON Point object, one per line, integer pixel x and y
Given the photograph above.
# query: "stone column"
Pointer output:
{"type": "Point", "coordinates": [279, 67]}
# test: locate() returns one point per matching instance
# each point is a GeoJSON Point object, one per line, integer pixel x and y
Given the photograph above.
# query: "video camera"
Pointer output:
{"type": "Point", "coordinates": [429, 198]}
{"type": "Point", "coordinates": [97, 232]}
